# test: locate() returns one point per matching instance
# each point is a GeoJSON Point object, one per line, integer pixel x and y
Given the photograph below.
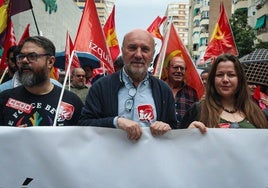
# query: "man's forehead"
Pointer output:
{"type": "Point", "coordinates": [31, 46]}
{"type": "Point", "coordinates": [178, 60]}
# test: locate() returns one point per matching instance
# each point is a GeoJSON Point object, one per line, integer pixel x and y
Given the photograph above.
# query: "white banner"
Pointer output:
{"type": "Point", "coordinates": [85, 157]}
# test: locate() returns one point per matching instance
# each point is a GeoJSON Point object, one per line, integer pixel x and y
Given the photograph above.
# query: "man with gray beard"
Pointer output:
{"type": "Point", "coordinates": [35, 102]}
{"type": "Point", "coordinates": [132, 98]}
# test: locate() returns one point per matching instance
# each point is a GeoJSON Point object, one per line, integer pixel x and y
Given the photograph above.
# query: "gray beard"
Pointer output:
{"type": "Point", "coordinates": [30, 80]}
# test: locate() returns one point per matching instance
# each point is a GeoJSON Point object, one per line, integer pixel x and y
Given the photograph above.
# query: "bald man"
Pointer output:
{"type": "Point", "coordinates": [132, 98]}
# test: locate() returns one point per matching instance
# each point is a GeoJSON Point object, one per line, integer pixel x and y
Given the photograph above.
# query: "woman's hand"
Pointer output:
{"type": "Point", "coordinates": [199, 125]}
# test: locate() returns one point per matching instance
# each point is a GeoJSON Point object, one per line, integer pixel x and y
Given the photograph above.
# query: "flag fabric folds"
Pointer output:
{"type": "Point", "coordinates": [222, 40]}
{"type": "Point", "coordinates": [10, 40]}
{"type": "Point", "coordinates": [154, 27]}
{"type": "Point", "coordinates": [17, 6]}
{"type": "Point", "coordinates": [68, 50]}
{"type": "Point", "coordinates": [25, 34]}
{"type": "Point", "coordinates": [90, 37]}
{"type": "Point", "coordinates": [111, 37]}
{"type": "Point", "coordinates": [9, 8]}
{"type": "Point", "coordinates": [171, 47]}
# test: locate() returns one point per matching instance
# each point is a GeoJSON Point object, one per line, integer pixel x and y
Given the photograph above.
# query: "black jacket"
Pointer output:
{"type": "Point", "coordinates": [101, 105]}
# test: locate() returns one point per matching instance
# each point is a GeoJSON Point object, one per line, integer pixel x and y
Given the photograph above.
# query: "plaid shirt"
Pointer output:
{"type": "Point", "coordinates": [184, 99]}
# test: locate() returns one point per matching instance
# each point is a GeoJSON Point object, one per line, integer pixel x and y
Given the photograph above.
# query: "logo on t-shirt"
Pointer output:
{"type": "Point", "coordinates": [18, 105]}
{"type": "Point", "coordinates": [146, 112]}
{"type": "Point", "coordinates": [66, 111]}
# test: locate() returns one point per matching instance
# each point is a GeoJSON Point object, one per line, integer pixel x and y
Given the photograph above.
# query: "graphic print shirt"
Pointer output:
{"type": "Point", "coordinates": [18, 106]}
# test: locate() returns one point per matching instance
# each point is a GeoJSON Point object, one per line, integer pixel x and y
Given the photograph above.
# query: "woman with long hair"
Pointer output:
{"type": "Point", "coordinates": [227, 103]}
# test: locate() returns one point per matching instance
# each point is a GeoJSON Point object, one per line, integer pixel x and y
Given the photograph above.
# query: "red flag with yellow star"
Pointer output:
{"type": "Point", "coordinates": [111, 37]}
{"type": "Point", "coordinates": [154, 27]}
{"type": "Point", "coordinates": [222, 40]}
{"type": "Point", "coordinates": [173, 46]}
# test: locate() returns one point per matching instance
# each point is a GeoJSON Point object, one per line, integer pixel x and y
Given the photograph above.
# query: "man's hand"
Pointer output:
{"type": "Point", "coordinates": [132, 128]}
{"type": "Point", "coordinates": [159, 128]}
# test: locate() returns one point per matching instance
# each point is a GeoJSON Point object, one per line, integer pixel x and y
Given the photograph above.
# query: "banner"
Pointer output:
{"type": "Point", "coordinates": [50, 157]}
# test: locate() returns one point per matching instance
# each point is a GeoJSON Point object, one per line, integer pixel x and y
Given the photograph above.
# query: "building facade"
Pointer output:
{"type": "Point", "coordinates": [104, 8]}
{"type": "Point", "coordinates": [51, 22]}
{"type": "Point", "coordinates": [257, 16]}
{"type": "Point", "coordinates": [178, 13]}
{"type": "Point", "coordinates": [203, 15]}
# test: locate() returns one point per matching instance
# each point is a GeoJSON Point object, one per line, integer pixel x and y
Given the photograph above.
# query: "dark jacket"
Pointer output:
{"type": "Point", "coordinates": [193, 114]}
{"type": "Point", "coordinates": [101, 105]}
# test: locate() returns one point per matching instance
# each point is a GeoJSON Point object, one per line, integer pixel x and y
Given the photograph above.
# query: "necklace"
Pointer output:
{"type": "Point", "coordinates": [230, 111]}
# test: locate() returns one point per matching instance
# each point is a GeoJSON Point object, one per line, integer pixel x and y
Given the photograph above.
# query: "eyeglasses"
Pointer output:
{"type": "Point", "coordinates": [31, 57]}
{"type": "Point", "coordinates": [130, 102]}
{"type": "Point", "coordinates": [178, 67]}
{"type": "Point", "coordinates": [83, 76]}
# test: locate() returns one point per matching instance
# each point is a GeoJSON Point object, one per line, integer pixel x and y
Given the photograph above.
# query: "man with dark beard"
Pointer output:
{"type": "Point", "coordinates": [131, 98]}
{"type": "Point", "coordinates": [35, 102]}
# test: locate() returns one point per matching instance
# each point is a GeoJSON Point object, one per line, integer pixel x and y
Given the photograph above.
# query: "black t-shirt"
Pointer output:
{"type": "Point", "coordinates": [18, 106]}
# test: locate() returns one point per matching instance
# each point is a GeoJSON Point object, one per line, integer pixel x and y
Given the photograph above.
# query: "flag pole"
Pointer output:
{"type": "Point", "coordinates": [62, 89]}
{"type": "Point", "coordinates": [3, 75]}
{"type": "Point", "coordinates": [35, 22]}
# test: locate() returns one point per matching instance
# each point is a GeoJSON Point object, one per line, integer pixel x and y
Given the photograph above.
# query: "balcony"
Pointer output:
{"type": "Point", "coordinates": [196, 30]}
{"type": "Point", "coordinates": [240, 4]}
{"type": "Point", "coordinates": [204, 21]}
{"type": "Point", "coordinates": [259, 4]}
{"type": "Point", "coordinates": [204, 35]}
{"type": "Point", "coordinates": [262, 34]}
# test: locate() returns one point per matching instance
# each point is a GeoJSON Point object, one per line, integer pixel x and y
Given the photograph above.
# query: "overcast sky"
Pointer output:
{"type": "Point", "coordinates": [132, 14]}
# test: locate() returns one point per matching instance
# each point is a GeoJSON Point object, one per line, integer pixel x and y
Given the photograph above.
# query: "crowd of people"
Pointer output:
{"type": "Point", "coordinates": [130, 98]}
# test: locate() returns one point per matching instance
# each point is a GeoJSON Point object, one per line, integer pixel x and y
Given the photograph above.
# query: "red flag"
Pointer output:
{"type": "Point", "coordinates": [25, 34]}
{"type": "Point", "coordinates": [68, 49]}
{"type": "Point", "coordinates": [154, 27]}
{"type": "Point", "coordinates": [10, 40]}
{"type": "Point", "coordinates": [9, 8]}
{"type": "Point", "coordinates": [173, 46]}
{"type": "Point", "coordinates": [90, 37]}
{"type": "Point", "coordinates": [257, 93]}
{"type": "Point", "coordinates": [111, 37]}
{"type": "Point", "coordinates": [222, 40]}
{"type": "Point", "coordinates": [17, 6]}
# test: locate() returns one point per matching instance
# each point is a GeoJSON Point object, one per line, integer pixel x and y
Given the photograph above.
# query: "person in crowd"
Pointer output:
{"type": "Point", "coordinates": [78, 83]}
{"type": "Point", "coordinates": [204, 77]}
{"type": "Point", "coordinates": [118, 64]}
{"type": "Point", "coordinates": [11, 64]}
{"type": "Point", "coordinates": [259, 95]}
{"type": "Point", "coordinates": [15, 81]}
{"type": "Point", "coordinates": [227, 103]}
{"type": "Point", "coordinates": [89, 74]}
{"type": "Point", "coordinates": [131, 98]}
{"type": "Point", "coordinates": [35, 102]}
{"type": "Point", "coordinates": [185, 96]}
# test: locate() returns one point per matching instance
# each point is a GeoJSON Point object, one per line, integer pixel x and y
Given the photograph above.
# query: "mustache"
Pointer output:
{"type": "Point", "coordinates": [25, 67]}
{"type": "Point", "coordinates": [178, 74]}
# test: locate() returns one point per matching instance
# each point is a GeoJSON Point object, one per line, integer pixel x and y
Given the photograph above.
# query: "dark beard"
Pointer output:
{"type": "Point", "coordinates": [32, 79]}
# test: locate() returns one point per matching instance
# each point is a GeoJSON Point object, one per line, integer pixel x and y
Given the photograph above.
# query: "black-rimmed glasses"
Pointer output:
{"type": "Point", "coordinates": [31, 57]}
{"type": "Point", "coordinates": [176, 68]}
{"type": "Point", "coordinates": [130, 102]}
